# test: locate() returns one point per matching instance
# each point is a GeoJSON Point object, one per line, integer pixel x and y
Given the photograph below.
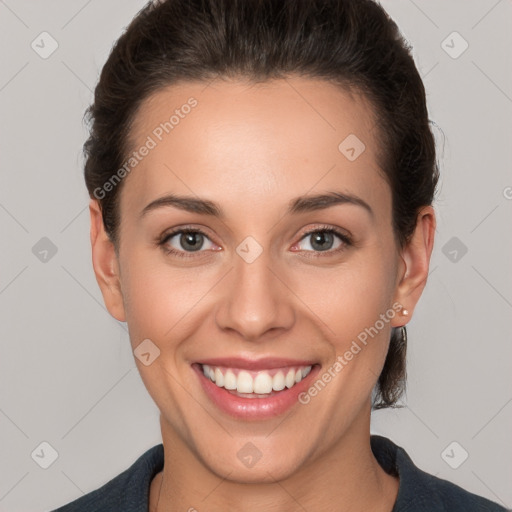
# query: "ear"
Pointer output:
{"type": "Point", "coordinates": [106, 264]}
{"type": "Point", "coordinates": [415, 263]}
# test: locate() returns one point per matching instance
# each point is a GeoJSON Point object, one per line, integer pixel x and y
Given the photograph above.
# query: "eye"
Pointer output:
{"type": "Point", "coordinates": [185, 240]}
{"type": "Point", "coordinates": [324, 239]}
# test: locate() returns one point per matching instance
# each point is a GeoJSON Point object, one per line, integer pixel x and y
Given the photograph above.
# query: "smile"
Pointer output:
{"type": "Point", "coordinates": [254, 390]}
{"type": "Point", "coordinates": [251, 384]}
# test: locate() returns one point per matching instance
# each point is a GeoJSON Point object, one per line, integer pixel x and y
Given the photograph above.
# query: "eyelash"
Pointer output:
{"type": "Point", "coordinates": [345, 239]}
{"type": "Point", "coordinates": [174, 252]}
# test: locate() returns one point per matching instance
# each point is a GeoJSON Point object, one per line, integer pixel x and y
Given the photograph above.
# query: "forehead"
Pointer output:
{"type": "Point", "coordinates": [247, 142]}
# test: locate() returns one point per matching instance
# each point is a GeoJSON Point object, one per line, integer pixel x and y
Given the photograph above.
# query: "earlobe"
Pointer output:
{"type": "Point", "coordinates": [105, 264]}
{"type": "Point", "coordinates": [416, 258]}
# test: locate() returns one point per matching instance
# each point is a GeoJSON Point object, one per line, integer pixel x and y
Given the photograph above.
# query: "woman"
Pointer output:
{"type": "Point", "coordinates": [261, 175]}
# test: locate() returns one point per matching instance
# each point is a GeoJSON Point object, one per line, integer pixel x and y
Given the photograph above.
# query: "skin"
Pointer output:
{"type": "Point", "coordinates": [251, 149]}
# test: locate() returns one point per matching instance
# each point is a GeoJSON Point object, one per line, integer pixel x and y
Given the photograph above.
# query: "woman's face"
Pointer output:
{"type": "Point", "coordinates": [249, 292]}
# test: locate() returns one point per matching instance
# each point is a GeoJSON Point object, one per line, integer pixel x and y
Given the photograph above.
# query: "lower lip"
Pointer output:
{"type": "Point", "coordinates": [254, 408]}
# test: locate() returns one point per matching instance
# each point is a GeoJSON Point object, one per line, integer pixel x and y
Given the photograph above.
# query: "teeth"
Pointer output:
{"type": "Point", "coordinates": [209, 372]}
{"type": "Point", "coordinates": [230, 380]}
{"type": "Point", "coordinates": [290, 379]}
{"type": "Point", "coordinates": [263, 383]}
{"type": "Point", "coordinates": [244, 383]}
{"type": "Point", "coordinates": [219, 378]}
{"type": "Point", "coordinates": [258, 383]}
{"type": "Point", "coordinates": [278, 381]}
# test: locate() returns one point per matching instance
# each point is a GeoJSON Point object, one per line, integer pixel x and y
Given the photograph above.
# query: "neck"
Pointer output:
{"type": "Point", "coordinates": [347, 475]}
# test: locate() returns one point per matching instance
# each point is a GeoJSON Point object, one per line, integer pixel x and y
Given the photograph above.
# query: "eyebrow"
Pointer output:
{"type": "Point", "coordinates": [298, 205]}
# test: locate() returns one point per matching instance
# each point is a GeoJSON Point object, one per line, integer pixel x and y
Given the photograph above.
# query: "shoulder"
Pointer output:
{"type": "Point", "coordinates": [128, 491]}
{"type": "Point", "coordinates": [421, 492]}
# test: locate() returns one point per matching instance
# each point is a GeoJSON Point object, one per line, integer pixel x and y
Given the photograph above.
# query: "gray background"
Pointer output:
{"type": "Point", "coordinates": [67, 374]}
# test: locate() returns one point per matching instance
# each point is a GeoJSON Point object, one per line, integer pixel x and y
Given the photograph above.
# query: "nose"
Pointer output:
{"type": "Point", "coordinates": [255, 300]}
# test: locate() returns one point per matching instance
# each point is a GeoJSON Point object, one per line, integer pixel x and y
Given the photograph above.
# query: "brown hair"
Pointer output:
{"type": "Point", "coordinates": [352, 43]}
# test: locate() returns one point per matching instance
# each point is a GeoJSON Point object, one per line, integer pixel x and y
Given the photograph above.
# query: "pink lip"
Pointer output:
{"type": "Point", "coordinates": [267, 363]}
{"type": "Point", "coordinates": [254, 408]}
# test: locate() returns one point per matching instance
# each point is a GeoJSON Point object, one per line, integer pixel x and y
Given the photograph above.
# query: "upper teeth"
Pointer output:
{"type": "Point", "coordinates": [255, 382]}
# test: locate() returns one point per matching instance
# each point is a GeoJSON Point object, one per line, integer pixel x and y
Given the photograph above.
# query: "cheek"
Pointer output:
{"type": "Point", "coordinates": [355, 306]}
{"type": "Point", "coordinates": [160, 301]}
{"type": "Point", "coordinates": [351, 297]}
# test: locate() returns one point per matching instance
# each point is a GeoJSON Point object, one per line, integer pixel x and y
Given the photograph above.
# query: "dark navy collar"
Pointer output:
{"type": "Point", "coordinates": [420, 491]}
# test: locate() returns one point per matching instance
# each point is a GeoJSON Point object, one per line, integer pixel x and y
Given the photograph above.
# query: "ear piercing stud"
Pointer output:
{"type": "Point", "coordinates": [405, 312]}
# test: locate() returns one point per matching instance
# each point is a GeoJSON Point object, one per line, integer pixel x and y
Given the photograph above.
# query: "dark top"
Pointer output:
{"type": "Point", "coordinates": [418, 491]}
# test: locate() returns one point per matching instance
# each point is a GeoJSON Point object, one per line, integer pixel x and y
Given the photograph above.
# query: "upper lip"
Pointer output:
{"type": "Point", "coordinates": [266, 363]}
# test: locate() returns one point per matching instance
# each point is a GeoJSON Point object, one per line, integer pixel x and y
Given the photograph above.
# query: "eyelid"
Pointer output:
{"type": "Point", "coordinates": [163, 239]}
{"type": "Point", "coordinates": [344, 236]}
{"type": "Point", "coordinates": [184, 229]}
{"type": "Point", "coordinates": [326, 227]}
